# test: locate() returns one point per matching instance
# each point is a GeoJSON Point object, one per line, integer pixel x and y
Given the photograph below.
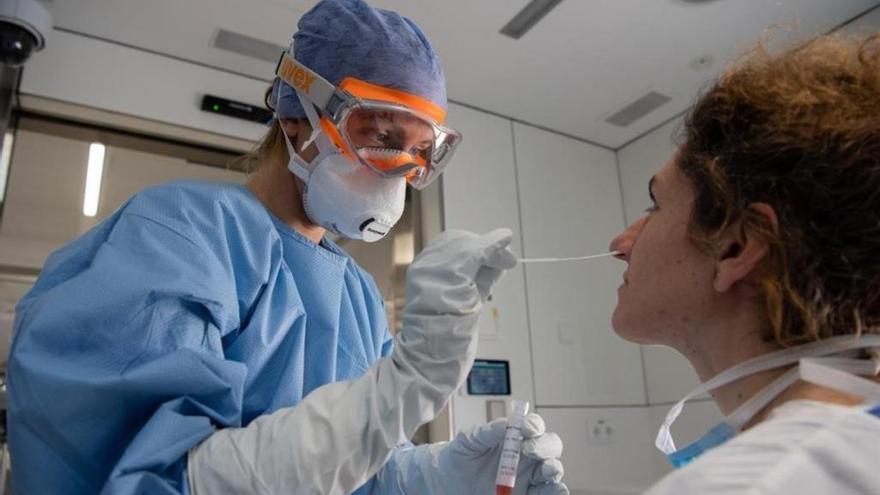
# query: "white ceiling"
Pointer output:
{"type": "Point", "coordinates": [581, 63]}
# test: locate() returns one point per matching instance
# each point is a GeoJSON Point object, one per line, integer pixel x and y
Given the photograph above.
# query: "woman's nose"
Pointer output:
{"type": "Point", "coordinates": [624, 241]}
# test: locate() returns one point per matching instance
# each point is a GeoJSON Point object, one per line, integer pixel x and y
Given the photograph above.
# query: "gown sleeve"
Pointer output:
{"type": "Point", "coordinates": [117, 368]}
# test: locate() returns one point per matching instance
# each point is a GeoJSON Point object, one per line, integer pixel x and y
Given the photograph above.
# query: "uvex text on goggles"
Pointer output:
{"type": "Point", "coordinates": [356, 101]}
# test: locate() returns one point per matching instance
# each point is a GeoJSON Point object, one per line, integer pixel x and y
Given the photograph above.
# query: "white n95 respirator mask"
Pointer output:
{"type": "Point", "coordinates": [342, 195]}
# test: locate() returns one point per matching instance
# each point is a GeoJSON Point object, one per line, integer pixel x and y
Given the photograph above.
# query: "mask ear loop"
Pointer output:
{"type": "Point", "coordinates": [845, 375]}
{"type": "Point", "coordinates": [297, 165]}
{"type": "Point", "coordinates": [314, 120]}
{"type": "Point", "coordinates": [749, 409]}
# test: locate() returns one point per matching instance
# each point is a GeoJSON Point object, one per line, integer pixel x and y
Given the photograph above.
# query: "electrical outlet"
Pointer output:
{"type": "Point", "coordinates": [567, 333]}
{"type": "Point", "coordinates": [600, 432]}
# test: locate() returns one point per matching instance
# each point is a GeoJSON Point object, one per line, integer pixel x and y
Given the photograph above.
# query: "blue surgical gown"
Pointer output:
{"type": "Point", "coordinates": [189, 309]}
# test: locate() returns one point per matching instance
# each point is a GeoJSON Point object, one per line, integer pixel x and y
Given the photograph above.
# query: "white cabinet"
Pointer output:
{"type": "Point", "coordinates": [571, 205]}
{"type": "Point", "coordinates": [479, 194]}
{"type": "Point", "coordinates": [107, 76]}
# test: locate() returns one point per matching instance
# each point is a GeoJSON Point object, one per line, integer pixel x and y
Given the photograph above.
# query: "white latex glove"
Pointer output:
{"type": "Point", "coordinates": [338, 436]}
{"type": "Point", "coordinates": [443, 277]}
{"type": "Point", "coordinates": [468, 464]}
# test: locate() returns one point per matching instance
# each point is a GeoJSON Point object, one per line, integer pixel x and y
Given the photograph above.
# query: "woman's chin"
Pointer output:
{"type": "Point", "coordinates": [627, 329]}
{"type": "Point", "coordinates": [620, 325]}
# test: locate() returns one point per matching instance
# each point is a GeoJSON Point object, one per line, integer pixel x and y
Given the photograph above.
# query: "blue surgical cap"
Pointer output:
{"type": "Point", "coordinates": [348, 38]}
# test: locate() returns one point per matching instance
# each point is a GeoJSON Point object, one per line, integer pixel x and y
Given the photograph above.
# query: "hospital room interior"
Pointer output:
{"type": "Point", "coordinates": [564, 109]}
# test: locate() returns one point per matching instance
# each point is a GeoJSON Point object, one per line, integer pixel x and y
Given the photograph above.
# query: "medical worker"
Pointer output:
{"type": "Point", "coordinates": [758, 261]}
{"type": "Point", "coordinates": [209, 339]}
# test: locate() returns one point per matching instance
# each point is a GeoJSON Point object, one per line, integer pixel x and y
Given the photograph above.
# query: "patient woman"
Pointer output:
{"type": "Point", "coordinates": [759, 261]}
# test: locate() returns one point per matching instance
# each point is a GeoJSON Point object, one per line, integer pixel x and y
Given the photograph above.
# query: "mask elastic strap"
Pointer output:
{"type": "Point", "coordinates": [314, 120]}
{"type": "Point", "coordinates": [747, 410]}
{"type": "Point", "coordinates": [867, 367]}
{"type": "Point", "coordinates": [297, 165]}
{"type": "Point", "coordinates": [758, 364]}
{"type": "Point", "coordinates": [833, 374]}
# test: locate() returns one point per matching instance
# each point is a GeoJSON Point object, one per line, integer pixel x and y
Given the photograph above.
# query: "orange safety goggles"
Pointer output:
{"type": "Point", "coordinates": [392, 132]}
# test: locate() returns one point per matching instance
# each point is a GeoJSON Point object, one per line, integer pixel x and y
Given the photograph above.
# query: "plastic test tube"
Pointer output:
{"type": "Point", "coordinates": [505, 480]}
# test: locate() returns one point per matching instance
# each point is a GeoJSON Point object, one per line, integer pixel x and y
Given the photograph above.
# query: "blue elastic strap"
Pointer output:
{"type": "Point", "coordinates": [711, 439]}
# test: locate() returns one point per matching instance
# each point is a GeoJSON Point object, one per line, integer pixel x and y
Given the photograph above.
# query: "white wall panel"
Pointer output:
{"type": "Point", "coordinates": [867, 25]}
{"type": "Point", "coordinates": [639, 161]}
{"type": "Point", "coordinates": [668, 374]}
{"type": "Point", "coordinates": [619, 463]}
{"type": "Point", "coordinates": [626, 460]}
{"type": "Point", "coordinates": [571, 205]}
{"type": "Point", "coordinates": [111, 77]}
{"type": "Point", "coordinates": [479, 194]}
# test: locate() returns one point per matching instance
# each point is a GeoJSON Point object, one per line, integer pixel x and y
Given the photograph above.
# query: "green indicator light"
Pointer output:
{"type": "Point", "coordinates": [216, 107]}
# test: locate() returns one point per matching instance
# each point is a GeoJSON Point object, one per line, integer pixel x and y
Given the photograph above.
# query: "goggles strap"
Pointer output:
{"type": "Point", "coordinates": [317, 89]}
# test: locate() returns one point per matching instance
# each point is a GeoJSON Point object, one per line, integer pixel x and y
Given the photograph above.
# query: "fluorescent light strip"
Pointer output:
{"type": "Point", "coordinates": [5, 158]}
{"type": "Point", "coordinates": [93, 179]}
{"type": "Point", "coordinates": [528, 17]}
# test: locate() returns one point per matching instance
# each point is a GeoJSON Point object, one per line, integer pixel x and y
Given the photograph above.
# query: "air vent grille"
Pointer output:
{"type": "Point", "coordinates": [248, 46]}
{"type": "Point", "coordinates": [530, 15]}
{"type": "Point", "coordinates": [638, 109]}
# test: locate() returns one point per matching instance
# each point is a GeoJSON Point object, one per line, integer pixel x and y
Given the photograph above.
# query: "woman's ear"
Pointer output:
{"type": "Point", "coordinates": [742, 249]}
{"type": "Point", "coordinates": [291, 127]}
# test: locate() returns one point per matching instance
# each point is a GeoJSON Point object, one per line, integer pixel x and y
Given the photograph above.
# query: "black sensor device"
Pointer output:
{"type": "Point", "coordinates": [489, 377]}
{"type": "Point", "coordinates": [236, 109]}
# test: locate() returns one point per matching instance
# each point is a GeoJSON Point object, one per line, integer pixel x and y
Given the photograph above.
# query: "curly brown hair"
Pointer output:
{"type": "Point", "coordinates": [798, 130]}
